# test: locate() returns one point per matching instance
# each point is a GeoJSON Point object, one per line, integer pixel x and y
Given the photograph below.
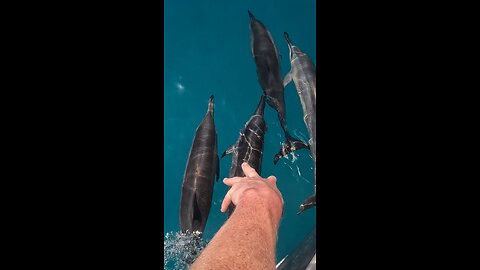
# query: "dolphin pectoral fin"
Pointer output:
{"type": "Point", "coordinates": [287, 79]}
{"type": "Point", "coordinates": [290, 145]}
{"type": "Point", "coordinates": [229, 150]}
{"type": "Point", "coordinates": [308, 203]}
{"type": "Point", "coordinates": [217, 173]}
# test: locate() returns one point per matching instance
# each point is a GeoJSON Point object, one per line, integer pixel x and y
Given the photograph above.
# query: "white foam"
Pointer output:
{"type": "Point", "coordinates": [181, 249]}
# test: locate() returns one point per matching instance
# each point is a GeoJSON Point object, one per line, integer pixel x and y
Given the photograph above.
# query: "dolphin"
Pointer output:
{"type": "Point", "coordinates": [200, 173]}
{"type": "Point", "coordinates": [249, 145]}
{"type": "Point", "coordinates": [303, 74]}
{"type": "Point", "coordinates": [303, 256]}
{"type": "Point", "coordinates": [269, 74]}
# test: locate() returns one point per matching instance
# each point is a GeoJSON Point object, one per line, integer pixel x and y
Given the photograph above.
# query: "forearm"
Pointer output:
{"type": "Point", "coordinates": [246, 241]}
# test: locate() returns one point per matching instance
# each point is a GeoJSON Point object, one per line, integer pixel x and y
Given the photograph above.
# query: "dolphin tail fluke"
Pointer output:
{"type": "Point", "coordinates": [291, 144]}
{"type": "Point", "coordinates": [308, 203]}
{"type": "Point", "coordinates": [250, 14]}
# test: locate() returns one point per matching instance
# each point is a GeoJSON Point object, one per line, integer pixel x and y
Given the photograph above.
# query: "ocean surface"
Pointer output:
{"type": "Point", "coordinates": [207, 51]}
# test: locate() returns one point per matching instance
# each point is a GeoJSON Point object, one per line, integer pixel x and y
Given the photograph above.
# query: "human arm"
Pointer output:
{"type": "Point", "coordinates": [247, 240]}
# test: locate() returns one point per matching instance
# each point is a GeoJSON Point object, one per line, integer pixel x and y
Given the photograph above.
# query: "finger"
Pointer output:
{"type": "Point", "coordinates": [231, 181]}
{"type": "Point", "coordinates": [226, 202]}
{"type": "Point", "coordinates": [272, 179]}
{"type": "Point", "coordinates": [249, 171]}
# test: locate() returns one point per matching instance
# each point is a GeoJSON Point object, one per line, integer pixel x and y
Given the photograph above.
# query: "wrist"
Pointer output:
{"type": "Point", "coordinates": [264, 202]}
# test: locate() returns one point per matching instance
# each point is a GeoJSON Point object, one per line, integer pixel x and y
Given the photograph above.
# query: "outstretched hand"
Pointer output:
{"type": "Point", "coordinates": [250, 188]}
{"type": "Point", "coordinates": [259, 207]}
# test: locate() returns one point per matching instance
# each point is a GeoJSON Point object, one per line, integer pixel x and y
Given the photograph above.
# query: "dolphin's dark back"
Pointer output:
{"type": "Point", "coordinates": [303, 73]}
{"type": "Point", "coordinates": [268, 67]}
{"type": "Point", "coordinates": [249, 145]}
{"type": "Point", "coordinates": [198, 181]}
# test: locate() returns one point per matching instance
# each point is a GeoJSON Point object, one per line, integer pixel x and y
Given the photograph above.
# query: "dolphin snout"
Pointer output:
{"type": "Point", "coordinates": [287, 38]}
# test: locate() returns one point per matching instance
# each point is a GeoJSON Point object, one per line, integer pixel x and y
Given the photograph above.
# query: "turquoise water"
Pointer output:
{"type": "Point", "coordinates": [207, 51]}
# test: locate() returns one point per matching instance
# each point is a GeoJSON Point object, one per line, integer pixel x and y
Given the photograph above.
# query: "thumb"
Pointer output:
{"type": "Point", "coordinates": [226, 202]}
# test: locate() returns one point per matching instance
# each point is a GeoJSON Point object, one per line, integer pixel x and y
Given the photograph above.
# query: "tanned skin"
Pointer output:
{"type": "Point", "coordinates": [247, 240]}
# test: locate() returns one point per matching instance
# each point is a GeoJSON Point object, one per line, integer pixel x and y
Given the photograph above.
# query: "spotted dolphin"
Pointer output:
{"type": "Point", "coordinates": [202, 168]}
{"type": "Point", "coordinates": [249, 145]}
{"type": "Point", "coordinates": [269, 74]}
{"type": "Point", "coordinates": [303, 74]}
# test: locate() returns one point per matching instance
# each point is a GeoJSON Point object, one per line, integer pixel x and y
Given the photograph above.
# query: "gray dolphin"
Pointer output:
{"type": "Point", "coordinates": [303, 256]}
{"type": "Point", "coordinates": [304, 76]}
{"type": "Point", "coordinates": [269, 74]}
{"type": "Point", "coordinates": [249, 145]}
{"type": "Point", "coordinates": [202, 168]}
